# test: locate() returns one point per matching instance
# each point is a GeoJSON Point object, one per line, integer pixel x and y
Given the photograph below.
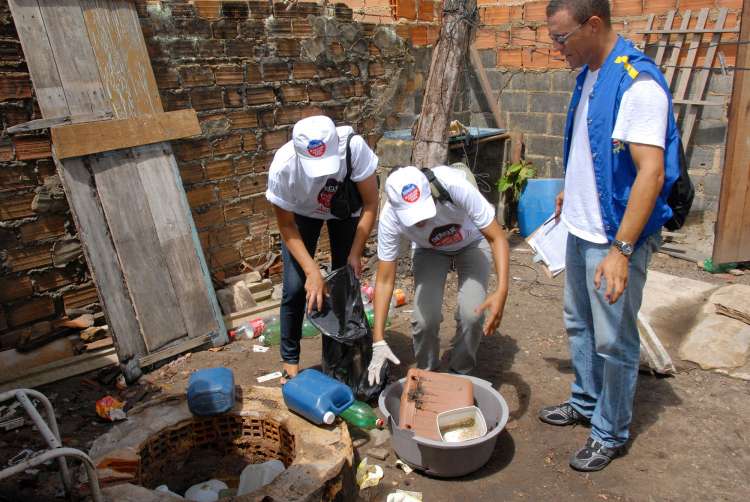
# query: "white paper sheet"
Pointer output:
{"type": "Point", "coordinates": [549, 242]}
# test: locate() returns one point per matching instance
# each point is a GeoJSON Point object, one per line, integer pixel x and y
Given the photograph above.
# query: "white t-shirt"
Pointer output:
{"type": "Point", "coordinates": [642, 118]}
{"type": "Point", "coordinates": [291, 189]}
{"type": "Point", "coordinates": [453, 227]}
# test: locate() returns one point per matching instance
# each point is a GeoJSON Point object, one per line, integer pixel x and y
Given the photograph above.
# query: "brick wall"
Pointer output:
{"type": "Point", "coordinates": [251, 71]}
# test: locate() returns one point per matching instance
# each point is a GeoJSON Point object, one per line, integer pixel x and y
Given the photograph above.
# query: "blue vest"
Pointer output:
{"type": "Point", "coordinates": [613, 166]}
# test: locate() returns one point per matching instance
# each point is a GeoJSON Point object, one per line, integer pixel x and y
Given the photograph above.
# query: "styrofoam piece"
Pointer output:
{"type": "Point", "coordinates": [461, 424]}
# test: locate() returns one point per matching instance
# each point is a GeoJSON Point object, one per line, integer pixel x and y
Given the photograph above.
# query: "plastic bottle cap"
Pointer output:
{"type": "Point", "coordinates": [328, 417]}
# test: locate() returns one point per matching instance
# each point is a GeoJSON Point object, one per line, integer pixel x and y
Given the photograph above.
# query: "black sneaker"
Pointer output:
{"type": "Point", "coordinates": [594, 456]}
{"type": "Point", "coordinates": [562, 414]}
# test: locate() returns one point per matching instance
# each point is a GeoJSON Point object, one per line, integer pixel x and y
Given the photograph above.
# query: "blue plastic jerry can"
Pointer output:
{"type": "Point", "coordinates": [317, 397]}
{"type": "Point", "coordinates": [211, 391]}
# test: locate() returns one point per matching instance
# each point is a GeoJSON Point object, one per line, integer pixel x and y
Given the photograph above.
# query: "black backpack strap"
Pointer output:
{"type": "Point", "coordinates": [443, 195]}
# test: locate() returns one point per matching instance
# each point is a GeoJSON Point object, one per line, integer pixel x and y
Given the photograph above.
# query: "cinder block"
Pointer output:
{"type": "Point", "coordinates": [549, 102]}
{"type": "Point", "coordinates": [511, 101]}
{"type": "Point", "coordinates": [548, 146]}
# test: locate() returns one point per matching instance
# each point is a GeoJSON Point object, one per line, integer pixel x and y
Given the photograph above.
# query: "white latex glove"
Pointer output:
{"type": "Point", "coordinates": [380, 352]}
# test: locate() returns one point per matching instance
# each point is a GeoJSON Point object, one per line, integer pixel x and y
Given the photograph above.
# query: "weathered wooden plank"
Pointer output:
{"type": "Point", "coordinates": [75, 140]}
{"type": "Point", "coordinates": [484, 82]}
{"type": "Point", "coordinates": [732, 241]}
{"type": "Point", "coordinates": [124, 66]}
{"type": "Point", "coordinates": [76, 64]}
{"type": "Point", "coordinates": [101, 256]}
{"type": "Point", "coordinates": [691, 112]}
{"type": "Point", "coordinates": [138, 249]}
{"type": "Point", "coordinates": [35, 125]}
{"type": "Point", "coordinates": [160, 178]}
{"type": "Point", "coordinates": [664, 38]}
{"type": "Point", "coordinates": [686, 73]}
{"type": "Point", "coordinates": [40, 60]}
{"type": "Point", "coordinates": [676, 49]}
{"type": "Point", "coordinates": [178, 348]}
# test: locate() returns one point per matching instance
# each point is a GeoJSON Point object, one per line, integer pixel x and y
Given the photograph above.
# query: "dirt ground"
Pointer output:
{"type": "Point", "coordinates": [691, 432]}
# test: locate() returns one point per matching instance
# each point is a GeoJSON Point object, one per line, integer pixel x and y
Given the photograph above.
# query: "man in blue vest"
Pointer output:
{"type": "Point", "coordinates": [621, 157]}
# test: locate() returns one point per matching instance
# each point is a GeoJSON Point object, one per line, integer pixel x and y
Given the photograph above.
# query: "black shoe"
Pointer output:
{"type": "Point", "coordinates": [562, 414]}
{"type": "Point", "coordinates": [594, 456]}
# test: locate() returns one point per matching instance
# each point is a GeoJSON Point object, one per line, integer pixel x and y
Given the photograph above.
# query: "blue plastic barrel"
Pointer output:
{"type": "Point", "coordinates": [317, 397]}
{"type": "Point", "coordinates": [211, 391]}
{"type": "Point", "coordinates": [537, 203]}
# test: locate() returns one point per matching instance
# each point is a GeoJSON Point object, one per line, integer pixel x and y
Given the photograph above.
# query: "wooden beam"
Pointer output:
{"type": "Point", "coordinates": [35, 125]}
{"type": "Point", "coordinates": [484, 82]}
{"type": "Point", "coordinates": [76, 140]}
{"type": "Point", "coordinates": [732, 241]}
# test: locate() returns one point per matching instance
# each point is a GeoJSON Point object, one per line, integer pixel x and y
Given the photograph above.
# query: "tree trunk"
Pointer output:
{"type": "Point", "coordinates": [448, 56]}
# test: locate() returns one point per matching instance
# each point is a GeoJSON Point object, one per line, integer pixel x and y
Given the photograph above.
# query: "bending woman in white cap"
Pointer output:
{"type": "Point", "coordinates": [304, 175]}
{"type": "Point", "coordinates": [459, 227]}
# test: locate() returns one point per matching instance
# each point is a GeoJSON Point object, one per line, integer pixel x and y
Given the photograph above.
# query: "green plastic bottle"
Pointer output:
{"type": "Point", "coordinates": [370, 315]}
{"type": "Point", "coordinates": [271, 334]}
{"type": "Point", "coordinates": [360, 415]}
{"type": "Point", "coordinates": [308, 330]}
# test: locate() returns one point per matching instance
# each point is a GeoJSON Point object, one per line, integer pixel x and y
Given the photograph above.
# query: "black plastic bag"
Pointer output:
{"type": "Point", "coordinates": [347, 338]}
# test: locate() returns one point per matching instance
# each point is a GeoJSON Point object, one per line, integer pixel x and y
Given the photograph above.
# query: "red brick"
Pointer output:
{"type": "Point", "coordinates": [242, 119]}
{"type": "Point", "coordinates": [241, 48]}
{"type": "Point", "coordinates": [625, 8]}
{"type": "Point", "coordinates": [206, 98]}
{"type": "Point", "coordinates": [17, 177]}
{"type": "Point", "coordinates": [275, 139]}
{"type": "Point", "coordinates": [175, 100]}
{"type": "Point", "coordinates": [262, 206]}
{"type": "Point", "coordinates": [286, 47]}
{"type": "Point", "coordinates": [228, 74]}
{"type": "Point", "coordinates": [207, 9]}
{"type": "Point", "coordinates": [509, 58]}
{"type": "Point", "coordinates": [267, 118]}
{"type": "Point", "coordinates": [224, 257]}
{"type": "Point", "coordinates": [375, 70]}
{"type": "Point", "coordinates": [227, 145]}
{"type": "Point", "coordinates": [53, 279]}
{"type": "Point", "coordinates": [30, 311]}
{"type": "Point", "coordinates": [233, 97]}
{"type": "Point", "coordinates": [219, 169]}
{"type": "Point", "coordinates": [255, 164]}
{"type": "Point", "coordinates": [253, 73]}
{"type": "Point", "coordinates": [318, 94]}
{"type": "Point", "coordinates": [167, 77]}
{"type": "Point", "coordinates": [192, 149]}
{"type": "Point", "coordinates": [275, 71]}
{"type": "Point", "coordinates": [15, 116]}
{"type": "Point", "coordinates": [406, 9]}
{"type": "Point", "coordinates": [302, 70]}
{"type": "Point", "coordinates": [237, 210]}
{"type": "Point", "coordinates": [337, 113]}
{"type": "Point", "coordinates": [343, 90]}
{"type": "Point", "coordinates": [32, 147]}
{"type": "Point", "coordinates": [658, 6]}
{"type": "Point", "coordinates": [360, 90]}
{"type": "Point", "coordinates": [495, 15]}
{"type": "Point", "coordinates": [249, 142]}
{"type": "Point", "coordinates": [260, 96]}
{"type": "Point", "coordinates": [210, 217]}
{"type": "Point", "coordinates": [80, 297]}
{"type": "Point", "coordinates": [293, 93]}
{"type": "Point", "coordinates": [44, 228]}
{"type": "Point", "coordinates": [227, 189]}
{"type": "Point", "coordinates": [230, 234]}
{"type": "Point", "coordinates": [15, 86]}
{"type": "Point", "coordinates": [426, 10]}
{"type": "Point", "coordinates": [13, 288]}
{"type": "Point", "coordinates": [729, 4]}
{"type": "Point", "coordinates": [13, 207]}
{"type": "Point", "coordinates": [486, 39]}
{"type": "Point", "coordinates": [196, 75]}
{"type": "Point", "coordinates": [693, 5]}
{"type": "Point", "coordinates": [523, 37]}
{"type": "Point", "coordinates": [535, 58]}
{"type": "Point", "coordinates": [301, 28]}
{"type": "Point", "coordinates": [201, 196]}
{"type": "Point", "coordinates": [419, 35]}
{"type": "Point", "coordinates": [191, 173]}
{"type": "Point", "coordinates": [536, 11]}
{"type": "Point", "coordinates": [251, 185]}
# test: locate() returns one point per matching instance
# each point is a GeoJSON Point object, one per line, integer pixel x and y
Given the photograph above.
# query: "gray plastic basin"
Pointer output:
{"type": "Point", "coordinates": [436, 458]}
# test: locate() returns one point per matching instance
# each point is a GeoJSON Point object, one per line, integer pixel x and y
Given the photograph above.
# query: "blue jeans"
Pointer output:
{"type": "Point", "coordinates": [292, 312]}
{"type": "Point", "coordinates": [604, 341]}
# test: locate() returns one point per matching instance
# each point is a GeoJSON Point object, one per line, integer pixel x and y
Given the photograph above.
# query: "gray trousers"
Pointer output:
{"type": "Point", "coordinates": [431, 267]}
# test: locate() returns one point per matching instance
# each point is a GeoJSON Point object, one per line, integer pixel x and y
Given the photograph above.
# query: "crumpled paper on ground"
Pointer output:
{"type": "Point", "coordinates": [368, 475]}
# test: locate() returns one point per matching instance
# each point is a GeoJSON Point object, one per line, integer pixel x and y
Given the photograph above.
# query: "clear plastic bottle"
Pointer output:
{"type": "Point", "coordinates": [360, 415]}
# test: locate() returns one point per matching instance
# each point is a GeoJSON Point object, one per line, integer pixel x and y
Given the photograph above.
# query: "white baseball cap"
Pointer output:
{"type": "Point", "coordinates": [317, 145]}
{"type": "Point", "coordinates": [409, 193]}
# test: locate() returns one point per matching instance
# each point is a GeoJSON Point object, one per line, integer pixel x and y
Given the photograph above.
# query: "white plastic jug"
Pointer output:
{"type": "Point", "coordinates": [256, 476]}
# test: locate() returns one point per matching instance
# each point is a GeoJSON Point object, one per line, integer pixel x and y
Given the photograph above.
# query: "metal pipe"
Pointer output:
{"type": "Point", "coordinates": [46, 455]}
{"type": "Point", "coordinates": [51, 432]}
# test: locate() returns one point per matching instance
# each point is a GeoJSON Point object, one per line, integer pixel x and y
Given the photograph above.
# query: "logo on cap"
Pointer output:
{"type": "Point", "coordinates": [316, 148]}
{"type": "Point", "coordinates": [410, 193]}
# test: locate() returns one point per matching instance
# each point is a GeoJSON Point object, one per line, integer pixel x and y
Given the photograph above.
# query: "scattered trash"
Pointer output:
{"type": "Point", "coordinates": [368, 475]}
{"type": "Point", "coordinates": [404, 466]}
{"type": "Point", "coordinates": [317, 397]}
{"type": "Point", "coordinates": [713, 268]}
{"type": "Point", "coordinates": [21, 456]}
{"type": "Point", "coordinates": [208, 491]}
{"type": "Point", "coordinates": [211, 391]}
{"type": "Point", "coordinates": [404, 496]}
{"type": "Point", "coordinates": [165, 489]}
{"type": "Point", "coordinates": [110, 409]}
{"type": "Point", "coordinates": [120, 382]}
{"type": "Point", "coordinates": [399, 298]}
{"type": "Point", "coordinates": [461, 424]}
{"type": "Point", "coordinates": [260, 348]}
{"type": "Point", "coordinates": [13, 423]}
{"type": "Point", "coordinates": [379, 453]}
{"type": "Point", "coordinates": [360, 415]}
{"type": "Point", "coordinates": [269, 376]}
{"type": "Point", "coordinates": [256, 476]}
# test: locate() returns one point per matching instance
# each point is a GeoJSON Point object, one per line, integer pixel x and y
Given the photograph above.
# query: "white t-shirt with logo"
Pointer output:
{"type": "Point", "coordinates": [291, 189]}
{"type": "Point", "coordinates": [453, 227]}
{"type": "Point", "coordinates": [642, 118]}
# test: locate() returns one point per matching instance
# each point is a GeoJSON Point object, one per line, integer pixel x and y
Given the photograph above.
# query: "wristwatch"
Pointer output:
{"type": "Point", "coordinates": [623, 247]}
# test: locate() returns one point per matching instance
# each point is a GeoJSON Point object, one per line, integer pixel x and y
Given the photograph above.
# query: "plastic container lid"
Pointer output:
{"type": "Point", "coordinates": [328, 417]}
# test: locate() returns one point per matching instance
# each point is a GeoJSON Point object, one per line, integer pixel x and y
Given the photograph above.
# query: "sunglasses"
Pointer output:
{"type": "Point", "coordinates": [562, 38]}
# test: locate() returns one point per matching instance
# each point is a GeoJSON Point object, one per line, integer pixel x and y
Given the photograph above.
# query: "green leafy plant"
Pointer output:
{"type": "Point", "coordinates": [511, 184]}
